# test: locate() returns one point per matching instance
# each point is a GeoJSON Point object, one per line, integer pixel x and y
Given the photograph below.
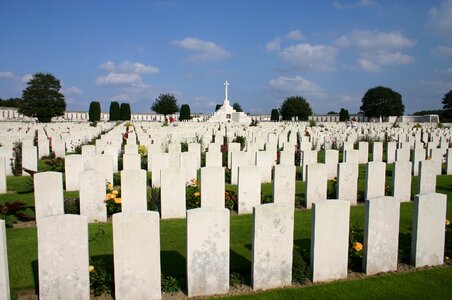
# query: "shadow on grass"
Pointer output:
{"type": "Point", "coordinates": [173, 264]}
{"type": "Point", "coordinates": [34, 267]}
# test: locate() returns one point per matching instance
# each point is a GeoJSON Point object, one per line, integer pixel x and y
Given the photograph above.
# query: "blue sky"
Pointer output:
{"type": "Point", "coordinates": [329, 52]}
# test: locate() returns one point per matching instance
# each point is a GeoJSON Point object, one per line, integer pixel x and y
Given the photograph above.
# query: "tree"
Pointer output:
{"type": "Point", "coordinates": [274, 115]}
{"type": "Point", "coordinates": [382, 102]}
{"type": "Point", "coordinates": [295, 106]}
{"type": "Point", "coordinates": [344, 116]}
{"type": "Point", "coordinates": [42, 98]}
{"type": "Point", "coordinates": [185, 113]}
{"type": "Point", "coordinates": [447, 104]}
{"type": "Point", "coordinates": [331, 113]}
{"type": "Point", "coordinates": [124, 112]}
{"type": "Point", "coordinates": [218, 106]}
{"type": "Point", "coordinates": [165, 104]}
{"type": "Point", "coordinates": [115, 113]}
{"type": "Point", "coordinates": [236, 106]}
{"type": "Point", "coordinates": [94, 111]}
{"type": "Point", "coordinates": [11, 102]}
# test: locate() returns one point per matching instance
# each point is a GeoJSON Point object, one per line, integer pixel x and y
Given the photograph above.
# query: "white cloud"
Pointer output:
{"type": "Point", "coordinates": [26, 78]}
{"type": "Point", "coordinates": [374, 40]}
{"type": "Point", "coordinates": [442, 51]}
{"type": "Point", "coordinates": [312, 57]}
{"type": "Point", "coordinates": [440, 18]}
{"type": "Point", "coordinates": [119, 79]}
{"type": "Point", "coordinates": [205, 51]}
{"type": "Point", "coordinates": [108, 66]}
{"type": "Point", "coordinates": [394, 58]}
{"type": "Point", "coordinates": [359, 3]}
{"type": "Point", "coordinates": [295, 35]}
{"type": "Point", "coordinates": [368, 65]}
{"type": "Point", "coordinates": [275, 44]}
{"type": "Point", "coordinates": [73, 90]}
{"type": "Point", "coordinates": [7, 75]}
{"type": "Point", "coordinates": [296, 85]}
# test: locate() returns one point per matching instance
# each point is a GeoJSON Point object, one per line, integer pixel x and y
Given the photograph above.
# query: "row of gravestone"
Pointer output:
{"type": "Point", "coordinates": [63, 253]}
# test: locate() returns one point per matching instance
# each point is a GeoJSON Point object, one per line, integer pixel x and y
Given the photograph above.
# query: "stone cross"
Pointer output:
{"type": "Point", "coordinates": [226, 84]}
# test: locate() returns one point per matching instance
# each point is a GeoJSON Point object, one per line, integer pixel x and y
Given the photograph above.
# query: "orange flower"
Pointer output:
{"type": "Point", "coordinates": [118, 200]}
{"type": "Point", "coordinates": [197, 194]}
{"type": "Point", "coordinates": [447, 222]}
{"type": "Point", "coordinates": [357, 246]}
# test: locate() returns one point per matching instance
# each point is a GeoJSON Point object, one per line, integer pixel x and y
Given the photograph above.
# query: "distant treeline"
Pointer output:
{"type": "Point", "coordinates": [11, 102]}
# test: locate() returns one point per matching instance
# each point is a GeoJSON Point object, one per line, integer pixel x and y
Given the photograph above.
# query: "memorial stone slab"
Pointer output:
{"type": "Point", "coordinates": [249, 189]}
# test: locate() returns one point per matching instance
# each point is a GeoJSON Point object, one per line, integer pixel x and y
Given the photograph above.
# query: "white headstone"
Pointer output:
{"type": "Point", "coordinates": [213, 159]}
{"type": "Point", "coordinates": [427, 245]}
{"type": "Point", "coordinates": [375, 179]}
{"type": "Point", "coordinates": [347, 182]}
{"type": "Point", "coordinates": [427, 177]}
{"type": "Point", "coordinates": [133, 190]}
{"type": "Point", "coordinates": [159, 161]}
{"type": "Point", "coordinates": [212, 187]}
{"type": "Point", "coordinates": [92, 194]}
{"type": "Point", "coordinates": [363, 152]}
{"type": "Point", "coordinates": [3, 186]}
{"type": "Point", "coordinates": [63, 257]}
{"type": "Point", "coordinates": [273, 227]}
{"type": "Point", "coordinates": [377, 151]}
{"type": "Point", "coordinates": [249, 189]}
{"type": "Point", "coordinates": [401, 178]}
{"type": "Point", "coordinates": [49, 200]}
{"type": "Point", "coordinates": [4, 273]}
{"type": "Point", "coordinates": [29, 159]}
{"type": "Point", "coordinates": [331, 161]}
{"type": "Point", "coordinates": [390, 152]}
{"type": "Point", "coordinates": [207, 251]}
{"type": "Point", "coordinates": [73, 167]}
{"type": "Point", "coordinates": [418, 155]}
{"type": "Point", "coordinates": [381, 235]}
{"type": "Point", "coordinates": [131, 161]}
{"type": "Point", "coordinates": [103, 163]}
{"type": "Point", "coordinates": [136, 244]}
{"type": "Point", "coordinates": [284, 185]}
{"type": "Point", "coordinates": [172, 193]}
{"type": "Point", "coordinates": [329, 240]}
{"type": "Point", "coordinates": [316, 184]}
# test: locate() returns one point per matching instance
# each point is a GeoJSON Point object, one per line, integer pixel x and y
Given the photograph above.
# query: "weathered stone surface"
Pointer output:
{"type": "Point", "coordinates": [331, 161]}
{"type": "Point", "coordinates": [418, 156]}
{"type": "Point", "coordinates": [88, 153]}
{"type": "Point", "coordinates": [136, 244]}
{"type": "Point", "coordinates": [4, 273]}
{"type": "Point", "coordinates": [284, 185]}
{"type": "Point", "coordinates": [213, 159]}
{"type": "Point", "coordinates": [287, 157]}
{"type": "Point", "coordinates": [212, 187]}
{"type": "Point", "coordinates": [29, 159]}
{"type": "Point", "coordinates": [49, 200]}
{"type": "Point", "coordinates": [3, 187]}
{"type": "Point", "coordinates": [131, 161]}
{"type": "Point", "coordinates": [159, 161]}
{"type": "Point", "coordinates": [329, 240]}
{"type": "Point", "coordinates": [63, 257]}
{"type": "Point", "coordinates": [307, 157]}
{"type": "Point", "coordinates": [249, 189]}
{"type": "Point", "coordinates": [133, 190]}
{"type": "Point", "coordinates": [264, 160]}
{"type": "Point", "coordinates": [273, 226]}
{"type": "Point", "coordinates": [377, 151]}
{"type": "Point", "coordinates": [401, 181]}
{"type": "Point", "coordinates": [375, 179]}
{"type": "Point", "coordinates": [352, 156]}
{"type": "Point", "coordinates": [73, 167]}
{"type": "Point", "coordinates": [207, 251]}
{"type": "Point", "coordinates": [390, 152]}
{"type": "Point", "coordinates": [103, 163]}
{"type": "Point", "coordinates": [92, 194]}
{"type": "Point", "coordinates": [189, 162]}
{"type": "Point", "coordinates": [427, 245]}
{"type": "Point", "coordinates": [172, 193]}
{"type": "Point", "coordinates": [381, 235]}
{"type": "Point", "coordinates": [403, 154]}
{"type": "Point", "coordinates": [238, 159]}
{"type": "Point", "coordinates": [363, 148]}
{"type": "Point", "coordinates": [427, 177]}
{"type": "Point", "coordinates": [348, 182]}
{"type": "Point", "coordinates": [316, 184]}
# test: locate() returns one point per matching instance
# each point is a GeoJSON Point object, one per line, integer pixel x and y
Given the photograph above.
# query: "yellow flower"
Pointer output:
{"type": "Point", "coordinates": [112, 196]}
{"type": "Point", "coordinates": [109, 186]}
{"type": "Point", "coordinates": [447, 222]}
{"type": "Point", "coordinates": [91, 269]}
{"type": "Point", "coordinates": [115, 192]}
{"type": "Point", "coordinates": [107, 197]}
{"type": "Point", "coordinates": [357, 246]}
{"type": "Point", "coordinates": [197, 194]}
{"type": "Point", "coordinates": [118, 200]}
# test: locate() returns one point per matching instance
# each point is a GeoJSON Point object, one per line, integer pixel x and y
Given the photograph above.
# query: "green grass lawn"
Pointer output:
{"type": "Point", "coordinates": [434, 283]}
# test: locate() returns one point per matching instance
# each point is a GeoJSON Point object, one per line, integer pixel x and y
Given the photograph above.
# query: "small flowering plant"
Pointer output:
{"type": "Point", "coordinates": [356, 248]}
{"type": "Point", "coordinates": [230, 200]}
{"type": "Point", "coordinates": [112, 199]}
{"type": "Point", "coordinates": [193, 194]}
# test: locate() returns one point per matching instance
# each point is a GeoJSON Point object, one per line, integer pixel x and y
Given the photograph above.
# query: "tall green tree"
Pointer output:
{"type": "Point", "coordinates": [295, 106]}
{"type": "Point", "coordinates": [94, 111]}
{"type": "Point", "coordinates": [125, 112]}
{"type": "Point", "coordinates": [236, 106]}
{"type": "Point", "coordinates": [185, 113]}
{"type": "Point", "coordinates": [382, 102]}
{"type": "Point", "coordinates": [447, 105]}
{"type": "Point", "coordinates": [344, 115]}
{"type": "Point", "coordinates": [274, 115]}
{"type": "Point", "coordinates": [165, 104]}
{"type": "Point", "coordinates": [11, 102]}
{"type": "Point", "coordinates": [115, 112]}
{"type": "Point", "coordinates": [42, 98]}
